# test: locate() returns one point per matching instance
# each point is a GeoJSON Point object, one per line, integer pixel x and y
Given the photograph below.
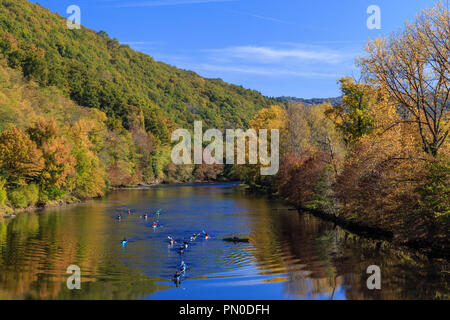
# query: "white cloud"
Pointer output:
{"type": "Point", "coordinates": [272, 55]}
{"type": "Point", "coordinates": [262, 71]}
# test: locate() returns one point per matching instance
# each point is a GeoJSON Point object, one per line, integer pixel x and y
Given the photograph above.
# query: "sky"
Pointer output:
{"type": "Point", "coordinates": [279, 47]}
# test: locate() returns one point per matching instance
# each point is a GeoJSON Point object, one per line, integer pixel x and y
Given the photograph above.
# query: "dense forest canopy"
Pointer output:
{"type": "Point", "coordinates": [80, 112]}
{"type": "Point", "coordinates": [99, 72]}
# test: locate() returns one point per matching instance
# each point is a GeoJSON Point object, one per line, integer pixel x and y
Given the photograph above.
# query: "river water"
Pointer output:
{"type": "Point", "coordinates": [290, 255]}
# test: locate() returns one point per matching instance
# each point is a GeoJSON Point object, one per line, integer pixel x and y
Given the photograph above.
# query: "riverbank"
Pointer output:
{"type": "Point", "coordinates": [12, 212]}
{"type": "Point", "coordinates": [430, 249]}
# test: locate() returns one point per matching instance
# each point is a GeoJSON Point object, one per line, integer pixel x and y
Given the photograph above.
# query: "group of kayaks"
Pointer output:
{"type": "Point", "coordinates": [155, 224]}
{"type": "Point", "coordinates": [184, 243]}
{"type": "Point", "coordinates": [181, 250]}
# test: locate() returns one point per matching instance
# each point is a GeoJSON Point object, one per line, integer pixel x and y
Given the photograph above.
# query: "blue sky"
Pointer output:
{"type": "Point", "coordinates": [278, 47]}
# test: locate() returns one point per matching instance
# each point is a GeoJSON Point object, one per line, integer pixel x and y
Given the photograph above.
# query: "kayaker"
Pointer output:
{"type": "Point", "coordinates": [177, 278]}
{"type": "Point", "coordinates": [171, 240]}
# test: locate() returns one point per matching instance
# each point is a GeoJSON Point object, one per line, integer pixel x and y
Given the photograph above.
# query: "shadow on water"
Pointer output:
{"type": "Point", "coordinates": [290, 255]}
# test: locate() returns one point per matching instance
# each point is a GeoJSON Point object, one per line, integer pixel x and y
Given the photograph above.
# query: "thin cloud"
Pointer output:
{"type": "Point", "coordinates": [166, 3]}
{"type": "Point", "coordinates": [262, 71]}
{"type": "Point", "coordinates": [257, 16]}
{"type": "Point", "coordinates": [270, 54]}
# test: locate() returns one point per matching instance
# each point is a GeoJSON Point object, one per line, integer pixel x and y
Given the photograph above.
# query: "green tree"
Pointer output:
{"type": "Point", "coordinates": [353, 117]}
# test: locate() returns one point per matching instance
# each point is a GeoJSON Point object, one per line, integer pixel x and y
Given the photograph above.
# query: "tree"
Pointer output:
{"type": "Point", "coordinates": [59, 162]}
{"type": "Point", "coordinates": [20, 159]}
{"type": "Point", "coordinates": [56, 152]}
{"type": "Point", "coordinates": [414, 67]}
{"type": "Point", "coordinates": [353, 117]}
{"type": "Point", "coordinates": [43, 130]}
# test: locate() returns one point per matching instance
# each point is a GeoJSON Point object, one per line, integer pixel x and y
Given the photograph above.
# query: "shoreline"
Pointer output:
{"type": "Point", "coordinates": [431, 250]}
{"type": "Point", "coordinates": [377, 234]}
{"type": "Point", "coordinates": [63, 203]}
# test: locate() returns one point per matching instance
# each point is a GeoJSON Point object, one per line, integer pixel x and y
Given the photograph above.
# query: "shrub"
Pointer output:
{"type": "Point", "coordinates": [31, 193]}
{"type": "Point", "coordinates": [18, 199]}
{"type": "Point", "coordinates": [24, 197]}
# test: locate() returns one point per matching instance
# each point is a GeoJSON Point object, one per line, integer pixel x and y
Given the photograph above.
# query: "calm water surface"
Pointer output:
{"type": "Point", "coordinates": [290, 255]}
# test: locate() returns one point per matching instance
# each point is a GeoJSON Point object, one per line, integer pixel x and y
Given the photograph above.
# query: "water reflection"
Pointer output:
{"type": "Point", "coordinates": [290, 255]}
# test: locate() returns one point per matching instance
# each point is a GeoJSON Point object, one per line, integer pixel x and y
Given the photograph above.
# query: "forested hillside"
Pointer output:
{"type": "Point", "coordinates": [80, 112]}
{"type": "Point", "coordinates": [97, 71]}
{"type": "Point", "coordinates": [314, 101]}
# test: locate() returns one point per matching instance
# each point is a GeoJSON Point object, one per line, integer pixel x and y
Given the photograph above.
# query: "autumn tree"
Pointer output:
{"type": "Point", "coordinates": [42, 131]}
{"type": "Point", "coordinates": [87, 137]}
{"type": "Point", "coordinates": [56, 152]}
{"type": "Point", "coordinates": [269, 119]}
{"type": "Point", "coordinates": [20, 159]}
{"type": "Point", "coordinates": [414, 67]}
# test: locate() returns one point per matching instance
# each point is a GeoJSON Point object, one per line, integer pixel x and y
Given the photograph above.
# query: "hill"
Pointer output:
{"type": "Point", "coordinates": [334, 101]}
{"type": "Point", "coordinates": [80, 113]}
{"type": "Point", "coordinates": [98, 72]}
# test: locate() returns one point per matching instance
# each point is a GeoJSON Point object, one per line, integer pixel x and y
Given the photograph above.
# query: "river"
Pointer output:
{"type": "Point", "coordinates": [290, 255]}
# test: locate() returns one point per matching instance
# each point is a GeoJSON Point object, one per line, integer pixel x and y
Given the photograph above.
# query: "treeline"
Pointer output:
{"type": "Point", "coordinates": [381, 158]}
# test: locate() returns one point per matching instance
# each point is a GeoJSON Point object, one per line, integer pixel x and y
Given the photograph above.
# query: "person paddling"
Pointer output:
{"type": "Point", "coordinates": [183, 266]}
{"type": "Point", "coordinates": [177, 278]}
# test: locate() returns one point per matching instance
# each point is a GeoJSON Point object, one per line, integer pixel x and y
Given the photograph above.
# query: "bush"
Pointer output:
{"type": "Point", "coordinates": [25, 196]}
{"type": "Point", "coordinates": [17, 199]}
{"type": "Point", "coordinates": [50, 193]}
{"type": "Point", "coordinates": [31, 193]}
{"type": "Point", "coordinates": [434, 206]}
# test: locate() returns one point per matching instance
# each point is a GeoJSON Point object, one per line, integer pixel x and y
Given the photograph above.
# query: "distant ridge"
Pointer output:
{"type": "Point", "coordinates": [334, 101]}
